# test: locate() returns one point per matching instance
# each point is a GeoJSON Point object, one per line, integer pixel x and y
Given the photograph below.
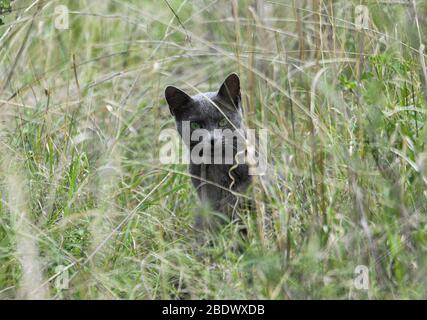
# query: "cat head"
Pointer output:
{"type": "Point", "coordinates": [209, 111]}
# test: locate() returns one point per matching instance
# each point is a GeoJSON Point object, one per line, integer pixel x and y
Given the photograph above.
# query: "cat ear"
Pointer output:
{"type": "Point", "coordinates": [230, 90]}
{"type": "Point", "coordinates": [176, 99]}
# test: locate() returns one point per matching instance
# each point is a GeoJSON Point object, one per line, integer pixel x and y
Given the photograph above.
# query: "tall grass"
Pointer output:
{"type": "Point", "coordinates": [86, 203]}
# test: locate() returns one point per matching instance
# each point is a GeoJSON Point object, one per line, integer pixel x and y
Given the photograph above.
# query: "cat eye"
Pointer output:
{"type": "Point", "coordinates": [223, 122]}
{"type": "Point", "coordinates": [195, 125]}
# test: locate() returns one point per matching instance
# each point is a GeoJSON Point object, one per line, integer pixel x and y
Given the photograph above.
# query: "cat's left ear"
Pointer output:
{"type": "Point", "coordinates": [230, 90]}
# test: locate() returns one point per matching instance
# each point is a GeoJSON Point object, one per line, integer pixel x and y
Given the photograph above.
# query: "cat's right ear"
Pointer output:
{"type": "Point", "coordinates": [177, 99]}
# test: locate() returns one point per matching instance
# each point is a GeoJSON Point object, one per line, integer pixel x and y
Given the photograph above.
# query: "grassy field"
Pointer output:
{"type": "Point", "coordinates": [87, 210]}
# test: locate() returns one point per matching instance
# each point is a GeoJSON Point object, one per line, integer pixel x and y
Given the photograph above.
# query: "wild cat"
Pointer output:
{"type": "Point", "coordinates": [216, 119]}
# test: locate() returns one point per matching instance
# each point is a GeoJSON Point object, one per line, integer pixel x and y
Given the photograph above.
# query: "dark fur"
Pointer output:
{"type": "Point", "coordinates": [216, 192]}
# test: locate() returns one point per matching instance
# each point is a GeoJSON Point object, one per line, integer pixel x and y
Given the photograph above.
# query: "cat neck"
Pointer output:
{"type": "Point", "coordinates": [224, 175]}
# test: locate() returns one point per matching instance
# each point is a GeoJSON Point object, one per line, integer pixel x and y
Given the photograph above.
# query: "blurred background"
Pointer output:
{"type": "Point", "coordinates": [87, 210]}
